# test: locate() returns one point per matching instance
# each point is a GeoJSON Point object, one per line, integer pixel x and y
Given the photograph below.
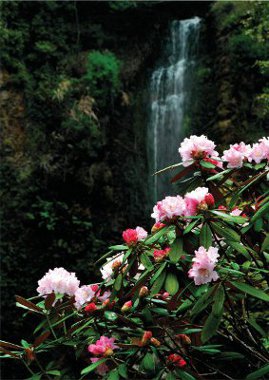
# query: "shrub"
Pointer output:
{"type": "Point", "coordinates": [176, 303]}
{"type": "Point", "coordinates": [103, 75]}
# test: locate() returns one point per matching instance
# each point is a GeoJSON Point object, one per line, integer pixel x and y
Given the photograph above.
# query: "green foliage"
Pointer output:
{"type": "Point", "coordinates": [103, 75]}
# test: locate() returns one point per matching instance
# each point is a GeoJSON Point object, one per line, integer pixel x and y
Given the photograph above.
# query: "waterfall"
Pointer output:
{"type": "Point", "coordinates": [170, 90]}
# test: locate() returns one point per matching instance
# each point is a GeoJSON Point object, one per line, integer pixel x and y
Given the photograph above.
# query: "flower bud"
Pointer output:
{"type": "Point", "coordinates": [143, 292]}
{"type": "Point", "coordinates": [146, 337]}
{"type": "Point", "coordinates": [155, 342]}
{"type": "Point", "coordinates": [202, 206]}
{"type": "Point", "coordinates": [90, 308]}
{"type": "Point", "coordinates": [184, 339]}
{"type": "Point", "coordinates": [177, 360]}
{"type": "Point", "coordinates": [209, 200]}
{"type": "Point", "coordinates": [165, 295]}
{"type": "Point", "coordinates": [157, 226]}
{"type": "Point", "coordinates": [108, 352]}
{"type": "Point", "coordinates": [127, 306]}
{"type": "Point", "coordinates": [116, 265]}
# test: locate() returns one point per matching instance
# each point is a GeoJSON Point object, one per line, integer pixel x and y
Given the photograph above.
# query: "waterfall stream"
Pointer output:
{"type": "Point", "coordinates": [170, 90]}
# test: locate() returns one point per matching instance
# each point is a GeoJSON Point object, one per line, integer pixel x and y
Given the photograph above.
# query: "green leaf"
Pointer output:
{"type": "Point", "coordinates": [245, 288]}
{"type": "Point", "coordinates": [119, 248]}
{"type": "Point", "coordinates": [118, 282]}
{"type": "Point", "coordinates": [230, 356]}
{"type": "Point", "coordinates": [113, 375]}
{"type": "Point", "coordinates": [171, 284]}
{"type": "Point", "coordinates": [54, 372]}
{"type": "Point", "coordinates": [156, 236]}
{"type": "Point", "coordinates": [148, 362]}
{"type": "Point", "coordinates": [184, 375]}
{"type": "Point", "coordinates": [170, 376]}
{"type": "Point", "coordinates": [203, 302]}
{"type": "Point", "coordinates": [206, 236]}
{"type": "Point", "coordinates": [158, 273]}
{"type": "Point", "coordinates": [219, 298]}
{"type": "Point", "coordinates": [207, 164]}
{"type": "Point", "coordinates": [211, 326]}
{"type": "Point", "coordinates": [219, 175]}
{"type": "Point", "coordinates": [225, 232]}
{"type": "Point", "coordinates": [239, 247]}
{"type": "Point", "coordinates": [265, 244]}
{"type": "Point", "coordinates": [158, 284]}
{"type": "Point", "coordinates": [146, 261]}
{"type": "Point", "coordinates": [122, 369]}
{"type": "Point", "coordinates": [230, 218]}
{"type": "Point", "coordinates": [92, 367]}
{"type": "Point", "coordinates": [190, 227]}
{"type": "Point", "coordinates": [261, 212]}
{"type": "Point", "coordinates": [176, 250]}
{"type": "Point", "coordinates": [110, 315]}
{"type": "Point", "coordinates": [259, 373]}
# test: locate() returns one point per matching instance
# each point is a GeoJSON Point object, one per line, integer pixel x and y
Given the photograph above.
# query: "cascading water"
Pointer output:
{"type": "Point", "coordinates": [170, 90]}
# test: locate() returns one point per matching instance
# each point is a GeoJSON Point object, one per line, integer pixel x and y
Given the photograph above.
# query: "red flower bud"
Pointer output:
{"type": "Point", "coordinates": [155, 342]}
{"type": "Point", "coordinates": [127, 306]}
{"type": "Point", "coordinates": [90, 308]}
{"type": "Point", "coordinates": [209, 200]}
{"type": "Point", "coordinates": [177, 360]}
{"type": "Point", "coordinates": [143, 292]}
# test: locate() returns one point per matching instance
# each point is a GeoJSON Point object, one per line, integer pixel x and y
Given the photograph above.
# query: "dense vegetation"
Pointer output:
{"type": "Point", "coordinates": [73, 158]}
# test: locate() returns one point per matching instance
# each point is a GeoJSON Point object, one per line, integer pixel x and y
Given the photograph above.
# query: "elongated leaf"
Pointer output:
{"type": "Point", "coordinates": [259, 373]}
{"type": "Point", "coordinates": [203, 302]}
{"type": "Point", "coordinates": [239, 247]}
{"type": "Point", "coordinates": [225, 232]}
{"type": "Point", "coordinates": [183, 375]}
{"type": "Point", "coordinates": [265, 244]}
{"type": "Point", "coordinates": [148, 362]}
{"type": "Point", "coordinates": [159, 271]}
{"type": "Point", "coordinates": [118, 282]}
{"type": "Point", "coordinates": [230, 355]}
{"type": "Point", "coordinates": [119, 248]}
{"type": "Point", "coordinates": [28, 304]}
{"type": "Point", "coordinates": [113, 375]}
{"type": "Point", "coordinates": [219, 175]}
{"type": "Point", "coordinates": [92, 367]}
{"type": "Point", "coordinates": [158, 284]}
{"type": "Point", "coordinates": [245, 288]}
{"type": "Point", "coordinates": [122, 369]}
{"type": "Point", "coordinates": [183, 173]}
{"type": "Point", "coordinates": [41, 338]}
{"type": "Point", "coordinates": [206, 236]}
{"type": "Point", "coordinates": [219, 298]}
{"type": "Point", "coordinates": [49, 301]}
{"type": "Point", "coordinates": [228, 217]}
{"type": "Point", "coordinates": [190, 227]}
{"type": "Point", "coordinates": [260, 213]}
{"type": "Point", "coordinates": [171, 284]}
{"type": "Point", "coordinates": [156, 236]}
{"type": "Point", "coordinates": [211, 326]}
{"type": "Point", "coordinates": [10, 345]}
{"type": "Point", "coordinates": [176, 250]}
{"type": "Point", "coordinates": [207, 165]}
{"type": "Point", "coordinates": [146, 261]}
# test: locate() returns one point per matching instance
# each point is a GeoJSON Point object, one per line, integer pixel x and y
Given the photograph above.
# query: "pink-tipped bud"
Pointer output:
{"type": "Point", "coordinates": [157, 226]}
{"type": "Point", "coordinates": [116, 265]}
{"type": "Point", "coordinates": [146, 337]}
{"type": "Point", "coordinates": [209, 200]}
{"type": "Point", "coordinates": [165, 295]}
{"type": "Point", "coordinates": [177, 360]}
{"type": "Point", "coordinates": [127, 306]}
{"type": "Point", "coordinates": [155, 342]}
{"type": "Point", "coordinates": [184, 339]}
{"type": "Point", "coordinates": [130, 236]}
{"type": "Point", "coordinates": [143, 292]}
{"type": "Point", "coordinates": [94, 288]}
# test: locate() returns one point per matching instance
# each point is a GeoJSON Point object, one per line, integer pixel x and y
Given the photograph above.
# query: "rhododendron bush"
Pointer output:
{"type": "Point", "coordinates": [186, 301]}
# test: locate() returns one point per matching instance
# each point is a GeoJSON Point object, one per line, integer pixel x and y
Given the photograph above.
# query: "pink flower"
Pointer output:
{"type": "Point", "coordinates": [141, 233]}
{"type": "Point", "coordinates": [195, 148]}
{"type": "Point", "coordinates": [169, 208]}
{"type": "Point", "coordinates": [107, 268]}
{"type": "Point", "coordinates": [103, 347]}
{"type": "Point", "coordinates": [160, 254]}
{"type": "Point", "coordinates": [132, 236]}
{"type": "Point", "coordinates": [236, 155]}
{"type": "Point", "coordinates": [203, 266]}
{"type": "Point", "coordinates": [58, 280]}
{"type": "Point", "coordinates": [177, 360]}
{"type": "Point", "coordinates": [198, 199]}
{"type": "Point", "coordinates": [260, 151]}
{"type": "Point", "coordinates": [236, 212]}
{"type": "Point", "coordinates": [86, 293]}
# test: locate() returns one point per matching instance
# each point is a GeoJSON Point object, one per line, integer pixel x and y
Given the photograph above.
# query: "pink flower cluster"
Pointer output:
{"type": "Point", "coordinates": [238, 153]}
{"type": "Point", "coordinates": [203, 266]}
{"type": "Point", "coordinates": [132, 236]}
{"type": "Point", "coordinates": [196, 148]}
{"type": "Point", "coordinates": [87, 293]}
{"type": "Point", "coordinates": [58, 280]}
{"type": "Point", "coordinates": [102, 348]}
{"type": "Point", "coordinates": [160, 254]}
{"type": "Point", "coordinates": [171, 207]}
